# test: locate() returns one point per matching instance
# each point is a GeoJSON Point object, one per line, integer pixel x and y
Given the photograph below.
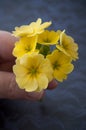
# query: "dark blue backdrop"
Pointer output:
{"type": "Point", "coordinates": [65, 107]}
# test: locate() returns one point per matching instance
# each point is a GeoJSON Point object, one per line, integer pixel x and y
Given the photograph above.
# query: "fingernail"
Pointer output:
{"type": "Point", "coordinates": [53, 84]}
{"type": "Point", "coordinates": [42, 96]}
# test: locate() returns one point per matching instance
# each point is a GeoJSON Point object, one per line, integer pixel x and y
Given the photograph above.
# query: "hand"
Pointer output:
{"type": "Point", "coordinates": [8, 87]}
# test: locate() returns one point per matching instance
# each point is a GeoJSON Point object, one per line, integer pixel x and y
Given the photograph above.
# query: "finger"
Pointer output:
{"type": "Point", "coordinates": [53, 84]}
{"type": "Point", "coordinates": [7, 66]}
{"type": "Point", "coordinates": [10, 90]}
{"type": "Point", "coordinates": [6, 45]}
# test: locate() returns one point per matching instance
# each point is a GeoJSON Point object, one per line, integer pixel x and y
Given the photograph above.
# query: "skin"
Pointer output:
{"type": "Point", "coordinates": [8, 86]}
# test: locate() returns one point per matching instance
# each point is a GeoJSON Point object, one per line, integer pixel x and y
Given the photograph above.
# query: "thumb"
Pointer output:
{"type": "Point", "coordinates": [9, 89]}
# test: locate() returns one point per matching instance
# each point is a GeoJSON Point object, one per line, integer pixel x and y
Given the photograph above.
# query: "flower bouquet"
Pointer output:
{"type": "Point", "coordinates": [42, 55]}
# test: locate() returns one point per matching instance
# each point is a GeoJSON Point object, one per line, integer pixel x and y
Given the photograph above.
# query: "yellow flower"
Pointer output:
{"type": "Point", "coordinates": [48, 37]}
{"type": "Point", "coordinates": [25, 45]}
{"type": "Point", "coordinates": [33, 72]}
{"type": "Point", "coordinates": [61, 65]}
{"type": "Point", "coordinates": [32, 29]}
{"type": "Point", "coordinates": [68, 46]}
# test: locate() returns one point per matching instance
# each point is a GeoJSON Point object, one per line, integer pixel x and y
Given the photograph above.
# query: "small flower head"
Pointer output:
{"type": "Point", "coordinates": [48, 37]}
{"type": "Point", "coordinates": [68, 46]}
{"type": "Point", "coordinates": [32, 29]}
{"type": "Point", "coordinates": [42, 55]}
{"type": "Point", "coordinates": [61, 65]}
{"type": "Point", "coordinates": [33, 72]}
{"type": "Point", "coordinates": [25, 45]}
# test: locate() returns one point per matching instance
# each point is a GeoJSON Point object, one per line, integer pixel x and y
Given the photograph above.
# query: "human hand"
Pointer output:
{"type": "Point", "coordinates": [8, 86]}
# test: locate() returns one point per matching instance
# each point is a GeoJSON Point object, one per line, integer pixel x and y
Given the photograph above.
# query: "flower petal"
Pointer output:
{"type": "Point", "coordinates": [42, 82]}
{"type": "Point", "coordinates": [62, 50]}
{"type": "Point", "coordinates": [67, 68]}
{"type": "Point", "coordinates": [19, 70]}
{"type": "Point", "coordinates": [59, 75]}
{"type": "Point", "coordinates": [31, 84]}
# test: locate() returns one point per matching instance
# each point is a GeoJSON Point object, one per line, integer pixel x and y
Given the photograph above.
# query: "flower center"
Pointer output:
{"type": "Point", "coordinates": [47, 40]}
{"type": "Point", "coordinates": [33, 71]}
{"type": "Point", "coordinates": [56, 65]}
{"type": "Point", "coordinates": [28, 48]}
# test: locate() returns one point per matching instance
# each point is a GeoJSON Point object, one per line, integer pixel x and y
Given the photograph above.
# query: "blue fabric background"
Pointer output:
{"type": "Point", "coordinates": [65, 107]}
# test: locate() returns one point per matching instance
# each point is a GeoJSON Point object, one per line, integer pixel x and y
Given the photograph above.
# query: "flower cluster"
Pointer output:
{"type": "Point", "coordinates": [42, 55]}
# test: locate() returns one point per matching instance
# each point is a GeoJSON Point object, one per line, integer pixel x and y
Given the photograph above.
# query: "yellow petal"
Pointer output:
{"type": "Point", "coordinates": [39, 21]}
{"type": "Point", "coordinates": [27, 60]}
{"type": "Point", "coordinates": [60, 76]}
{"type": "Point", "coordinates": [67, 68]}
{"type": "Point", "coordinates": [25, 45]}
{"type": "Point", "coordinates": [62, 49]}
{"type": "Point", "coordinates": [48, 37]}
{"type": "Point", "coordinates": [19, 70]}
{"type": "Point", "coordinates": [68, 46]}
{"type": "Point", "coordinates": [45, 25]}
{"type": "Point", "coordinates": [61, 36]}
{"type": "Point", "coordinates": [53, 56]}
{"type": "Point", "coordinates": [22, 31]}
{"type": "Point", "coordinates": [31, 85]}
{"type": "Point", "coordinates": [19, 50]}
{"type": "Point", "coordinates": [27, 83]}
{"type": "Point", "coordinates": [47, 68]}
{"type": "Point", "coordinates": [42, 82]}
{"type": "Point", "coordinates": [32, 29]}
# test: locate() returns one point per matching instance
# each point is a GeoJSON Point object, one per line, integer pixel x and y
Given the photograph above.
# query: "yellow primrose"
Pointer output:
{"type": "Point", "coordinates": [33, 72]}
{"type": "Point", "coordinates": [48, 37]}
{"type": "Point", "coordinates": [32, 29]}
{"type": "Point", "coordinates": [25, 45]}
{"type": "Point", "coordinates": [61, 65]}
{"type": "Point", "coordinates": [68, 46]}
